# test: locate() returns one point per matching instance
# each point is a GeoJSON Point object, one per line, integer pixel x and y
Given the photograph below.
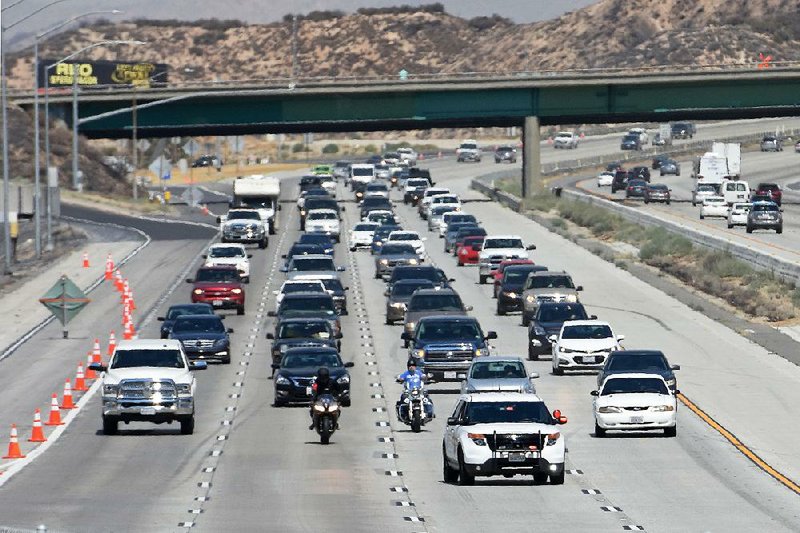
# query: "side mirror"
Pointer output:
{"type": "Point", "coordinates": [349, 364]}
{"type": "Point", "coordinates": [219, 220]}
{"type": "Point", "coordinates": [205, 256]}
{"type": "Point", "coordinates": [620, 337]}
{"type": "Point", "coordinates": [534, 375]}
{"type": "Point", "coordinates": [386, 292]}
{"type": "Point", "coordinates": [592, 317]}
{"type": "Point", "coordinates": [283, 269]}
{"type": "Point", "coordinates": [272, 313]}
{"type": "Point", "coordinates": [198, 365]}
{"type": "Point", "coordinates": [189, 280]}
{"type": "Point", "coordinates": [283, 256]}
{"type": "Point", "coordinates": [343, 208]}
{"type": "Point", "coordinates": [452, 421]}
{"type": "Point", "coordinates": [276, 292]}
{"type": "Point", "coordinates": [405, 336]}
{"type": "Point", "coordinates": [339, 335]}
{"type": "Point", "coordinates": [579, 288]}
{"type": "Point", "coordinates": [340, 269]}
{"type": "Point", "coordinates": [675, 367]}
{"type": "Point", "coordinates": [595, 393]}
{"type": "Point", "coordinates": [451, 280]}
{"type": "Point", "coordinates": [249, 256]}
{"type": "Point", "coordinates": [230, 330]}
{"type": "Point", "coordinates": [347, 288]}
{"type": "Point", "coordinates": [468, 308]}
{"type": "Point", "coordinates": [676, 392]}
{"type": "Point", "coordinates": [275, 366]}
{"type": "Point", "coordinates": [424, 239]}
{"type": "Point", "coordinates": [530, 247]}
{"type": "Point", "coordinates": [160, 319]}
{"type": "Point", "coordinates": [490, 335]}
{"type": "Point", "coordinates": [271, 336]}
{"type": "Point", "coordinates": [552, 338]}
{"type": "Point", "coordinates": [98, 367]}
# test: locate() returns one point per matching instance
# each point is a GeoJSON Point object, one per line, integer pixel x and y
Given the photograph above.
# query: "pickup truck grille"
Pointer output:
{"type": "Point", "coordinates": [144, 389]}
{"type": "Point", "coordinates": [447, 353]}
{"type": "Point", "coordinates": [514, 441]}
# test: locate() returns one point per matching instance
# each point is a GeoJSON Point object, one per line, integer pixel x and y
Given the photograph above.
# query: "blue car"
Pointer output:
{"type": "Point", "coordinates": [175, 311]}
{"type": "Point", "coordinates": [380, 236]}
{"type": "Point", "coordinates": [319, 239]}
{"type": "Point", "coordinates": [203, 337]}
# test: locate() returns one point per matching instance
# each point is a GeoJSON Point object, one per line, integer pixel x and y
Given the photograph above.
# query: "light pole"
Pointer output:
{"type": "Point", "coordinates": [36, 134]}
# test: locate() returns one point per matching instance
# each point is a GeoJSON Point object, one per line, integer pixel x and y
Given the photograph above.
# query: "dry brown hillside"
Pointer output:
{"type": "Point", "coordinates": [611, 33]}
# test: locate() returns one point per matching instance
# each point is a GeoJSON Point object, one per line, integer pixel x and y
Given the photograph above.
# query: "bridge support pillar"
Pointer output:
{"type": "Point", "coordinates": [531, 158]}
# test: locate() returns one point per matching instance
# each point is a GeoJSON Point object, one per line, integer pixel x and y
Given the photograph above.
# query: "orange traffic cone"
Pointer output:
{"type": "Point", "coordinates": [37, 433]}
{"type": "Point", "coordinates": [66, 401]}
{"type": "Point", "coordinates": [110, 261]}
{"type": "Point", "coordinates": [85, 260]}
{"type": "Point", "coordinates": [112, 344]}
{"type": "Point", "coordinates": [130, 300]}
{"type": "Point", "coordinates": [90, 374]}
{"type": "Point", "coordinates": [118, 280]}
{"type": "Point", "coordinates": [55, 413]}
{"type": "Point", "coordinates": [80, 380]}
{"type": "Point", "coordinates": [109, 270]}
{"type": "Point", "coordinates": [129, 331]}
{"type": "Point", "coordinates": [125, 291]}
{"type": "Point", "coordinates": [13, 445]}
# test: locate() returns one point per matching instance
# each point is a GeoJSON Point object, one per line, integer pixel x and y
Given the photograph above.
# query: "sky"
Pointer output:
{"type": "Point", "coordinates": [254, 11]}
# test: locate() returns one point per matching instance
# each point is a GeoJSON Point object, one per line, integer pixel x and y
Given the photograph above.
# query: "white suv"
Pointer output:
{"type": "Point", "coordinates": [507, 433]}
{"type": "Point", "coordinates": [229, 254]}
{"type": "Point", "coordinates": [324, 221]}
{"type": "Point", "coordinates": [148, 380]}
{"type": "Point", "coordinates": [498, 248]}
{"type": "Point", "coordinates": [583, 345]}
{"type": "Point", "coordinates": [565, 139]}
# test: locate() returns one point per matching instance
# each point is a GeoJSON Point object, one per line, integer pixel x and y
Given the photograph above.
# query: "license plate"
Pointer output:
{"type": "Point", "coordinates": [516, 457]}
{"type": "Point", "coordinates": [308, 391]}
{"type": "Point", "coordinates": [216, 303]}
{"type": "Point", "coordinates": [147, 411]}
{"type": "Point", "coordinates": [637, 420]}
{"type": "Point", "coordinates": [449, 375]}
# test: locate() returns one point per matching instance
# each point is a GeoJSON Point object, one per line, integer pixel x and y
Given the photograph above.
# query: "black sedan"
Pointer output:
{"type": "Point", "coordinates": [175, 311]}
{"type": "Point", "coordinates": [203, 337]}
{"type": "Point", "coordinates": [295, 374]}
{"type": "Point", "coordinates": [635, 189]}
{"type": "Point", "coordinates": [302, 333]}
{"type": "Point", "coordinates": [505, 153]}
{"type": "Point", "coordinates": [547, 321]}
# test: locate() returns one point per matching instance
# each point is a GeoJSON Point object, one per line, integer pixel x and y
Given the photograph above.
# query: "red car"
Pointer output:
{"type": "Point", "coordinates": [220, 286]}
{"type": "Point", "coordinates": [469, 250]}
{"type": "Point", "coordinates": [497, 275]}
{"type": "Point", "coordinates": [771, 189]}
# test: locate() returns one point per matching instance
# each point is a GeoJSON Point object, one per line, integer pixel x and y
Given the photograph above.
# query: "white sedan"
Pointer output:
{"type": "Point", "coordinates": [714, 206]}
{"type": "Point", "coordinates": [737, 216]}
{"type": "Point", "coordinates": [300, 285]}
{"type": "Point", "coordinates": [229, 254]}
{"type": "Point", "coordinates": [361, 235]}
{"type": "Point", "coordinates": [583, 345]}
{"type": "Point", "coordinates": [605, 178]}
{"type": "Point", "coordinates": [408, 237]}
{"type": "Point", "coordinates": [635, 402]}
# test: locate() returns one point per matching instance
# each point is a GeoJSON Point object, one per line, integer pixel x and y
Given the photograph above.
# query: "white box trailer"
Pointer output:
{"type": "Point", "coordinates": [259, 192]}
{"type": "Point", "coordinates": [732, 152]}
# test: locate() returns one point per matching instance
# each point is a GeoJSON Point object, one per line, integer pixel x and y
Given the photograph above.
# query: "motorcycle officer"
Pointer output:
{"type": "Point", "coordinates": [323, 384]}
{"type": "Point", "coordinates": [413, 373]}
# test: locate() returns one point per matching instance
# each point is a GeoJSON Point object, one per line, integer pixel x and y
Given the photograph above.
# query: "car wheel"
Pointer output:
{"type": "Point", "coordinates": [598, 431]}
{"type": "Point", "coordinates": [668, 202]}
{"type": "Point", "coordinates": [389, 322]}
{"type": "Point", "coordinates": [702, 217]}
{"type": "Point", "coordinates": [671, 432]}
{"type": "Point", "coordinates": [677, 173]}
{"type": "Point", "coordinates": [110, 425]}
{"type": "Point", "coordinates": [749, 229]}
{"type": "Point", "coordinates": [187, 425]}
{"type": "Point", "coordinates": [377, 275]}
{"type": "Point", "coordinates": [279, 404]}
{"type": "Point", "coordinates": [263, 244]}
{"type": "Point", "coordinates": [449, 475]}
{"type": "Point", "coordinates": [539, 478]}
{"type": "Point", "coordinates": [482, 279]}
{"type": "Point", "coordinates": [730, 226]}
{"type": "Point", "coordinates": [779, 229]}
{"type": "Point", "coordinates": [533, 355]}
{"type": "Point", "coordinates": [240, 310]}
{"type": "Point", "coordinates": [558, 371]}
{"type": "Point", "coordinates": [346, 402]}
{"type": "Point", "coordinates": [464, 477]}
{"type": "Point", "coordinates": [647, 201]}
{"type": "Point", "coordinates": [557, 479]}
{"type": "Point", "coordinates": [246, 279]}
{"type": "Point", "coordinates": [525, 320]}
{"type": "Point", "coordinates": [500, 311]}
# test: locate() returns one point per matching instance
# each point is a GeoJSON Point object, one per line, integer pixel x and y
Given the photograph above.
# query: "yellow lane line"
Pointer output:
{"type": "Point", "coordinates": [742, 448]}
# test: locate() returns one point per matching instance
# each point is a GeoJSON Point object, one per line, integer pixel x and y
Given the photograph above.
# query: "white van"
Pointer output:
{"type": "Point", "coordinates": [362, 172]}
{"type": "Point", "coordinates": [735, 191]}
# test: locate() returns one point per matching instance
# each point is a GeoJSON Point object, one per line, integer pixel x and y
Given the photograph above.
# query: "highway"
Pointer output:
{"type": "Point", "coordinates": [250, 466]}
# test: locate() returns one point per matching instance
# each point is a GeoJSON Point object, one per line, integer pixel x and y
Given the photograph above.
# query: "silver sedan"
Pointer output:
{"type": "Point", "coordinates": [498, 373]}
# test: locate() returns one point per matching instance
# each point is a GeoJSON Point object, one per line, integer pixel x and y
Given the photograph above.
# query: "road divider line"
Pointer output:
{"type": "Point", "coordinates": [740, 446]}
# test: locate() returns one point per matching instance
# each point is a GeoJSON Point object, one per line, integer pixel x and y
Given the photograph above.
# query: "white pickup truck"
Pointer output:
{"type": "Point", "coordinates": [148, 380]}
{"type": "Point", "coordinates": [468, 151]}
{"type": "Point", "coordinates": [566, 140]}
{"type": "Point", "coordinates": [498, 248]}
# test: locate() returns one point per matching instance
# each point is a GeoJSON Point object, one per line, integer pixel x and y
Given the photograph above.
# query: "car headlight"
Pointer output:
{"type": "Point", "coordinates": [477, 438]}
{"type": "Point", "coordinates": [572, 298]}
{"type": "Point", "coordinates": [413, 261]}
{"type": "Point", "coordinates": [610, 409]}
{"type": "Point", "coordinates": [236, 291]}
{"type": "Point", "coordinates": [221, 342]}
{"type": "Point", "coordinates": [344, 380]}
{"type": "Point", "coordinates": [184, 388]}
{"type": "Point", "coordinates": [552, 438]}
{"type": "Point", "coordinates": [398, 305]}
{"type": "Point", "coordinates": [481, 351]}
{"type": "Point", "coordinates": [110, 390]}
{"type": "Point", "coordinates": [670, 382]}
{"type": "Point", "coordinates": [510, 294]}
{"type": "Point", "coordinates": [564, 350]}
{"type": "Point", "coordinates": [384, 262]}
{"type": "Point", "coordinates": [280, 380]}
{"type": "Point", "coordinates": [198, 291]}
{"type": "Point", "coordinates": [539, 330]}
{"type": "Point", "coordinates": [419, 353]}
{"type": "Point", "coordinates": [530, 299]}
{"type": "Point", "coordinates": [410, 326]}
{"type": "Point", "coordinates": [663, 408]}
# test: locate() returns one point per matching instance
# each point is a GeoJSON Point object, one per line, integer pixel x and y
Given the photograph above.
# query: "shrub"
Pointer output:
{"type": "Point", "coordinates": [371, 149]}
{"type": "Point", "coordinates": [298, 147]}
{"type": "Point", "coordinates": [330, 149]}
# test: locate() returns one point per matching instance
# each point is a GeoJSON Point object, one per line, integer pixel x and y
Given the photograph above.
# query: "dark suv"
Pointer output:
{"type": "Point", "coordinates": [772, 190]}
{"type": "Point", "coordinates": [301, 333]}
{"type": "Point", "coordinates": [203, 337]}
{"type": "Point", "coordinates": [638, 361]}
{"type": "Point", "coordinates": [505, 153]}
{"type": "Point", "coordinates": [642, 173]}
{"type": "Point", "coordinates": [427, 302]}
{"type": "Point", "coordinates": [765, 215]}
{"type": "Point", "coordinates": [547, 321]}
{"type": "Point", "coordinates": [620, 181]}
{"type": "Point", "coordinates": [509, 292]}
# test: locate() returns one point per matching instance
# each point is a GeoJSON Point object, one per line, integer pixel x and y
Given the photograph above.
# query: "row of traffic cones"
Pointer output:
{"type": "Point", "coordinates": [67, 402]}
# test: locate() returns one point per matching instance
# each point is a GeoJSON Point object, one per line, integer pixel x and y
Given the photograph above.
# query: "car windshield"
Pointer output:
{"type": "Point", "coordinates": [436, 330]}
{"type": "Point", "coordinates": [634, 137]}
{"type": "Point", "coordinates": [374, 201]}
{"type": "Point", "coordinates": [365, 227]}
{"type": "Point", "coordinates": [316, 360]}
{"type": "Point", "coordinates": [198, 325]}
{"type": "Point", "coordinates": [706, 188]}
{"type": "Point", "coordinates": [406, 289]}
{"type": "Point", "coordinates": [161, 358]}
{"type": "Point", "coordinates": [497, 370]}
{"type": "Point", "coordinates": [586, 331]}
{"type": "Point", "coordinates": [765, 207]}
{"type": "Point", "coordinates": [305, 330]}
{"type": "Point", "coordinates": [516, 276]}
{"type": "Point", "coordinates": [322, 215]}
{"type": "Point", "coordinates": [561, 313]}
{"type": "Point", "coordinates": [505, 149]}
{"type": "Point", "coordinates": [315, 263]}
{"type": "Point", "coordinates": [435, 302]}
{"type": "Point", "coordinates": [416, 182]}
{"type": "Point", "coordinates": [307, 305]}
{"type": "Point", "coordinates": [445, 200]}
{"type": "Point", "coordinates": [550, 282]}
{"type": "Point", "coordinates": [333, 284]}
{"type": "Point", "coordinates": [243, 215]}
{"type": "Point", "coordinates": [507, 412]}
{"type": "Point", "coordinates": [396, 249]}
{"type": "Point", "coordinates": [635, 363]}
{"type": "Point", "coordinates": [226, 251]}
{"type": "Point", "coordinates": [361, 171]}
{"type": "Point", "coordinates": [469, 146]}
{"type": "Point", "coordinates": [460, 217]}
{"type": "Point", "coordinates": [175, 312]}
{"type": "Point", "coordinates": [383, 231]}
{"type": "Point", "coordinates": [377, 187]}
{"type": "Point", "coordinates": [219, 275]}
{"type": "Point", "coordinates": [433, 274]}
{"type": "Point", "coordinates": [310, 286]}
{"type": "Point", "coordinates": [502, 243]}
{"type": "Point", "coordinates": [634, 385]}
{"type": "Point", "coordinates": [310, 238]}
{"type": "Point", "coordinates": [404, 237]}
